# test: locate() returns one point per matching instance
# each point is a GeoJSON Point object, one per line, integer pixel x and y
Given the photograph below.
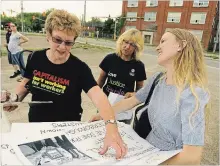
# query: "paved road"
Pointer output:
{"type": "Point", "coordinates": [40, 42]}
{"type": "Point", "coordinates": [148, 50]}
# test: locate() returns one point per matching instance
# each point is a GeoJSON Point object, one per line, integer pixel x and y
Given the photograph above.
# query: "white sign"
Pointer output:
{"type": "Point", "coordinates": [78, 143]}
{"type": "Point", "coordinates": [113, 99]}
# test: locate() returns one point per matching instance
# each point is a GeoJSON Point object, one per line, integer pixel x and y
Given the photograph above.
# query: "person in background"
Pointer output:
{"type": "Point", "coordinates": [177, 107]}
{"type": "Point", "coordinates": [14, 46]}
{"type": "Point", "coordinates": [123, 72]}
{"type": "Point", "coordinates": [54, 74]}
{"type": "Point", "coordinates": [15, 67]}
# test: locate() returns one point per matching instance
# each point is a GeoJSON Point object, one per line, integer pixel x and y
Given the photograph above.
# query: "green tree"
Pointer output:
{"type": "Point", "coordinates": [121, 22]}
{"type": "Point", "coordinates": [95, 22]}
{"type": "Point", "coordinates": [5, 20]}
{"type": "Point", "coordinates": [109, 26]}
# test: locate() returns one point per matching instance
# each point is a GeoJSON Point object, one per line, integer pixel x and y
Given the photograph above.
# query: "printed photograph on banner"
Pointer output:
{"type": "Point", "coordinates": [53, 151]}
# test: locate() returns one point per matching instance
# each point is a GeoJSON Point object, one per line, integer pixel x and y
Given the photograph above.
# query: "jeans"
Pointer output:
{"type": "Point", "coordinates": [17, 59]}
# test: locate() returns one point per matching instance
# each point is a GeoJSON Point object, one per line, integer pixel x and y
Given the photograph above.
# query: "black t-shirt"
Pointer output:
{"type": "Point", "coordinates": [60, 83]}
{"type": "Point", "coordinates": [8, 34]}
{"type": "Point", "coordinates": [121, 75]}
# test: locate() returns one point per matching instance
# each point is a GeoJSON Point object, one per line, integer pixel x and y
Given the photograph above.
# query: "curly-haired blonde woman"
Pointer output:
{"type": "Point", "coordinates": [54, 74]}
{"type": "Point", "coordinates": [123, 71]}
{"type": "Point", "coordinates": [177, 106]}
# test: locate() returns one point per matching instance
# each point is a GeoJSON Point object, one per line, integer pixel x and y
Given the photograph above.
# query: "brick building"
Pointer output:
{"type": "Point", "coordinates": [154, 17]}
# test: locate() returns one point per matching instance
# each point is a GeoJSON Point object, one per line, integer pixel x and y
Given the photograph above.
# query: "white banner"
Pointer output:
{"type": "Point", "coordinates": [74, 143]}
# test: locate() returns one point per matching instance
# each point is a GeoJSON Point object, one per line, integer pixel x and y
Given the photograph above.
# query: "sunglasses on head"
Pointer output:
{"type": "Point", "coordinates": [60, 41]}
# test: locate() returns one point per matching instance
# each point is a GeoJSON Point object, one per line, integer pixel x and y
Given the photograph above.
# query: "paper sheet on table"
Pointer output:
{"type": "Point", "coordinates": [42, 131]}
{"type": "Point", "coordinates": [113, 99]}
{"type": "Point", "coordinates": [156, 158]}
{"type": "Point", "coordinates": [87, 140]}
{"type": "Point", "coordinates": [36, 130]}
{"type": "Point", "coordinates": [8, 156]}
{"type": "Point", "coordinates": [90, 141]}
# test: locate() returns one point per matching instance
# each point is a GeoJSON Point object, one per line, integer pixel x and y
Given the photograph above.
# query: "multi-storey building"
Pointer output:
{"type": "Point", "coordinates": [154, 17]}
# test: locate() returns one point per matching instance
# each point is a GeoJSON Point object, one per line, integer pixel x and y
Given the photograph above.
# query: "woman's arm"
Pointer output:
{"type": "Point", "coordinates": [112, 137]}
{"type": "Point", "coordinates": [24, 39]}
{"type": "Point", "coordinates": [126, 104]}
{"type": "Point", "coordinates": [139, 85]}
{"type": "Point", "coordinates": [102, 78]}
{"type": "Point", "coordinates": [190, 155]}
{"type": "Point", "coordinates": [21, 91]}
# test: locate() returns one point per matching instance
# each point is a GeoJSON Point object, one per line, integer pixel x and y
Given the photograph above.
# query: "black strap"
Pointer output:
{"type": "Point", "coordinates": [29, 58]}
{"type": "Point", "coordinates": [142, 125]}
{"type": "Point", "coordinates": [156, 80]}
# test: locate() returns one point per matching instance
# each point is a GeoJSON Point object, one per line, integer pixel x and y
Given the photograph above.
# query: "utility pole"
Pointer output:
{"type": "Point", "coordinates": [22, 17]}
{"type": "Point", "coordinates": [84, 15]}
{"type": "Point", "coordinates": [115, 28]}
{"type": "Point", "coordinates": [216, 39]}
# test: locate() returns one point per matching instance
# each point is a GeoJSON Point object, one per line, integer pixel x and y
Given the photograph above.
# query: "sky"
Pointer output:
{"type": "Point", "coordinates": [99, 8]}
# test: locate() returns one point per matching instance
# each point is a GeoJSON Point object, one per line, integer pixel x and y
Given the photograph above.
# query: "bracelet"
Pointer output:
{"type": "Point", "coordinates": [111, 121]}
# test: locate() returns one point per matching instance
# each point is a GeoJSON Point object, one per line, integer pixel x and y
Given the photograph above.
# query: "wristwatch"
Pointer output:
{"type": "Point", "coordinates": [111, 121]}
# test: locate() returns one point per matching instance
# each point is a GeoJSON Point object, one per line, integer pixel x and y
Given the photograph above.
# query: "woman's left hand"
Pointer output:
{"type": "Point", "coordinates": [129, 94]}
{"type": "Point", "coordinates": [95, 118]}
{"type": "Point", "coordinates": [114, 140]}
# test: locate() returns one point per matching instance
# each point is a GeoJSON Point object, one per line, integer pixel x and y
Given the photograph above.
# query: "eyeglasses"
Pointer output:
{"type": "Point", "coordinates": [131, 44]}
{"type": "Point", "coordinates": [60, 41]}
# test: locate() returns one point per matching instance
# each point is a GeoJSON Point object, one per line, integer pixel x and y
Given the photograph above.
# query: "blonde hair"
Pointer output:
{"type": "Point", "coordinates": [63, 21]}
{"type": "Point", "coordinates": [189, 66]}
{"type": "Point", "coordinates": [135, 36]}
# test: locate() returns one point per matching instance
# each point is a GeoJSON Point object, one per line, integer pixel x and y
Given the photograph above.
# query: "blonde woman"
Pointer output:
{"type": "Point", "coordinates": [121, 71]}
{"type": "Point", "coordinates": [176, 109]}
{"type": "Point", "coordinates": [54, 74]}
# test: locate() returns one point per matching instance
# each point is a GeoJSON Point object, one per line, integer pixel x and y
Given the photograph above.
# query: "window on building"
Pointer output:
{"type": "Point", "coordinates": [129, 27]}
{"type": "Point", "coordinates": [198, 18]}
{"type": "Point", "coordinates": [150, 16]}
{"type": "Point", "coordinates": [197, 33]}
{"type": "Point", "coordinates": [200, 3]}
{"type": "Point", "coordinates": [176, 3]}
{"type": "Point", "coordinates": [151, 3]}
{"type": "Point", "coordinates": [133, 3]}
{"type": "Point", "coordinates": [174, 17]}
{"type": "Point", "coordinates": [131, 16]}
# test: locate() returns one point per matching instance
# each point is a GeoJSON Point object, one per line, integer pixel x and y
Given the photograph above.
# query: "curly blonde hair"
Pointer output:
{"type": "Point", "coordinates": [63, 21]}
{"type": "Point", "coordinates": [135, 36]}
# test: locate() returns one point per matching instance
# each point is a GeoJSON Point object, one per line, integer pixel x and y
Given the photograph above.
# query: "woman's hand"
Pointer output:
{"type": "Point", "coordinates": [114, 140]}
{"type": "Point", "coordinates": [7, 98]}
{"type": "Point", "coordinates": [96, 117]}
{"type": "Point", "coordinates": [129, 94]}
